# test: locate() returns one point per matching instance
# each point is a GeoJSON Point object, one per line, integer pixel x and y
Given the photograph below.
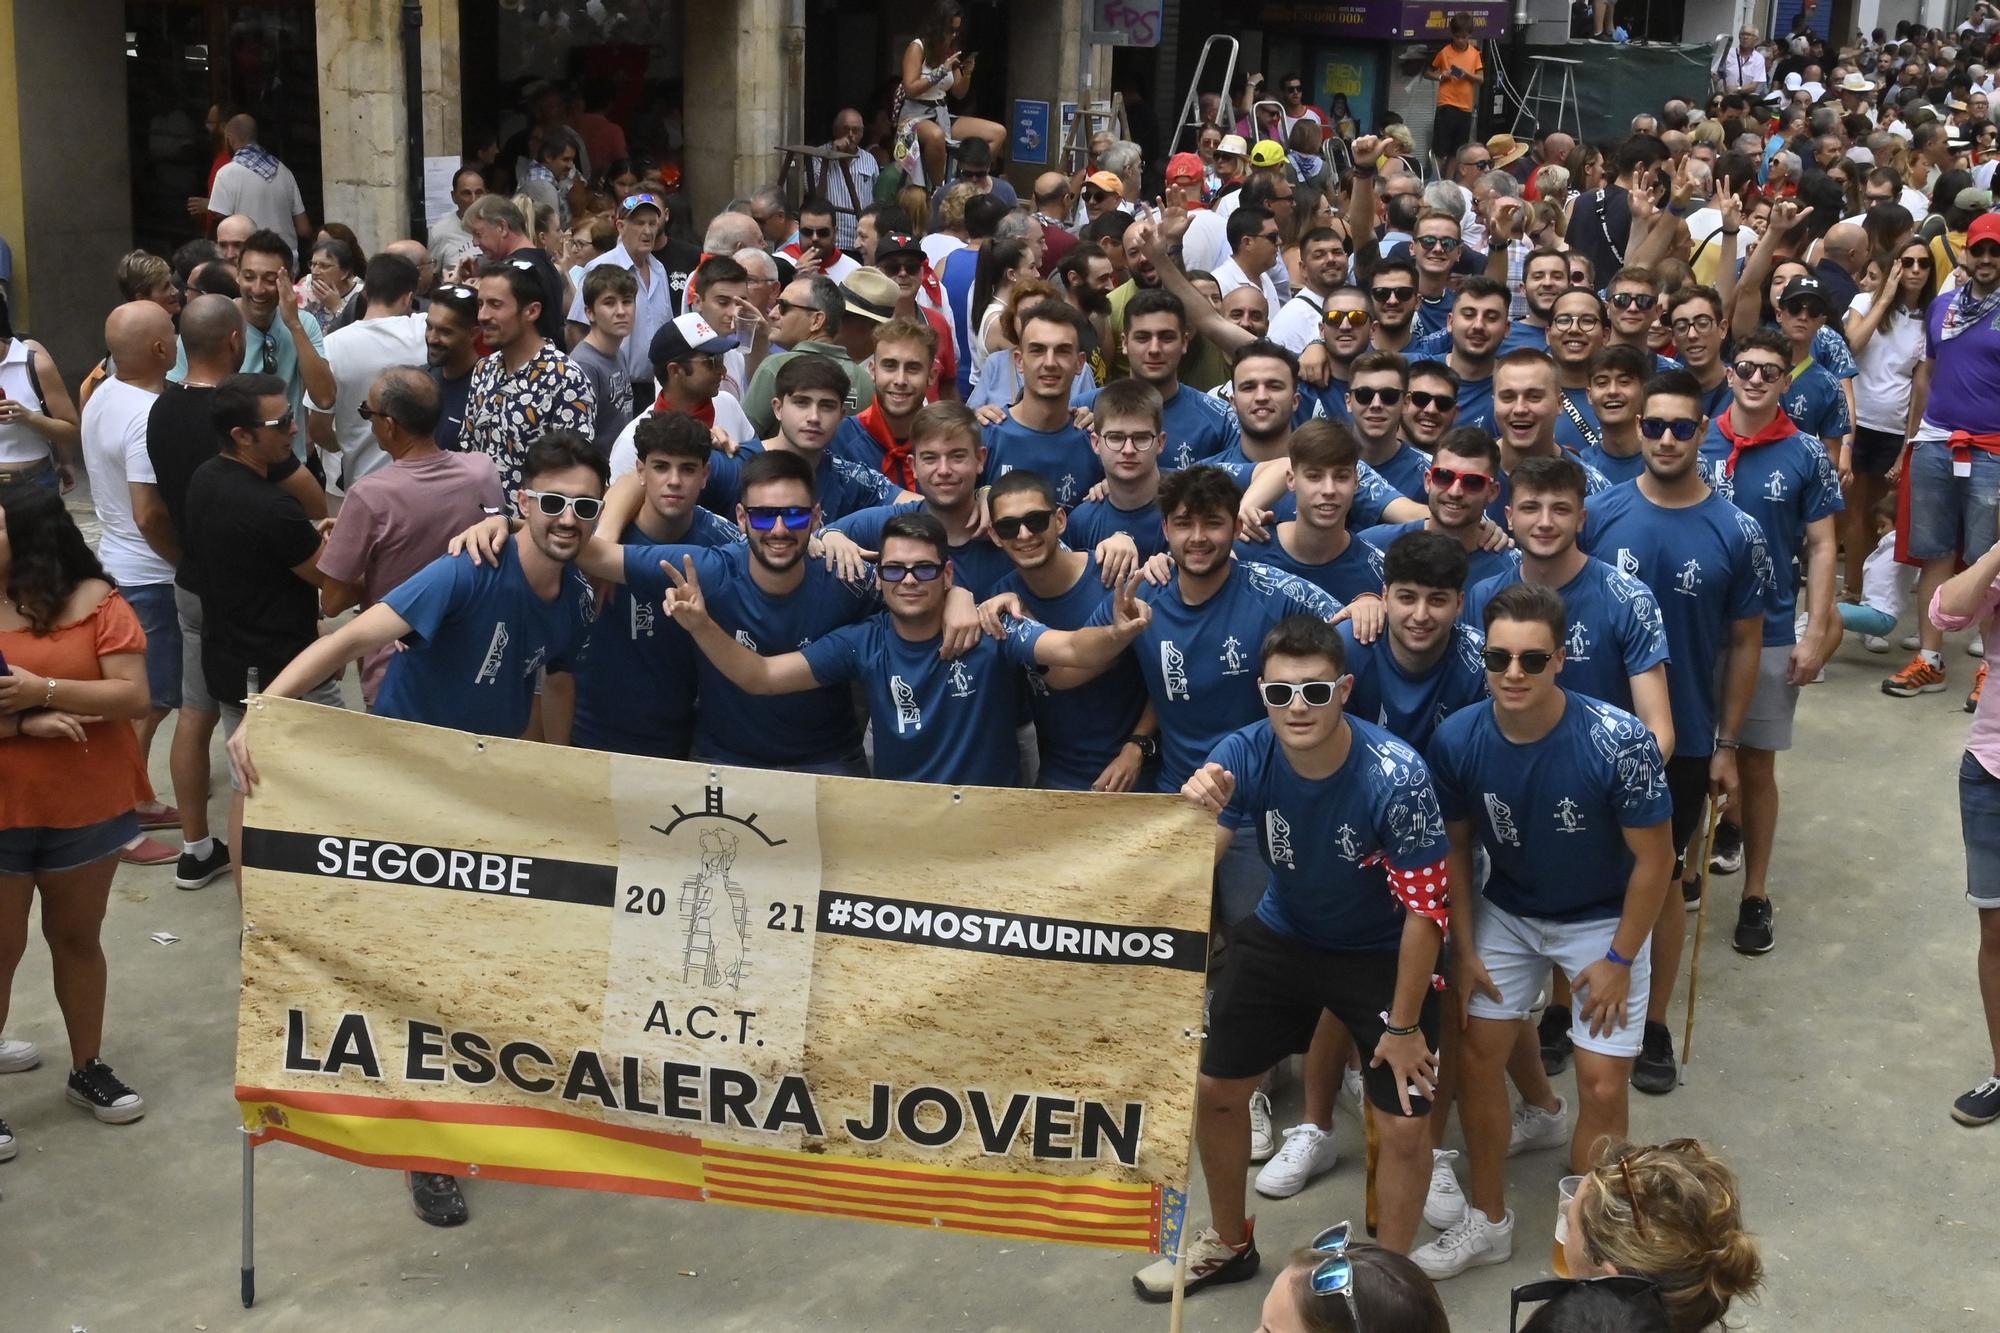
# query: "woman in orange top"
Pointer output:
{"type": "Point", "coordinates": [1458, 71]}
{"type": "Point", "coordinates": [74, 680]}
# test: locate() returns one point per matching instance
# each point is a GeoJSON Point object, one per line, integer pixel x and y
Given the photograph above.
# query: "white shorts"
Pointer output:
{"type": "Point", "coordinates": [1518, 952]}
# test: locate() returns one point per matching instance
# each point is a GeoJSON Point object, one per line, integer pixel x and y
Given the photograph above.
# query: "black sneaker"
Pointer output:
{"type": "Point", "coordinates": [8, 1147]}
{"type": "Point", "coordinates": [97, 1090]}
{"type": "Point", "coordinates": [196, 872]}
{"type": "Point", "coordinates": [1691, 894]}
{"type": "Point", "coordinates": [1655, 1071]}
{"type": "Point", "coordinates": [1727, 857]}
{"type": "Point", "coordinates": [438, 1199]}
{"type": "Point", "coordinates": [1981, 1106]}
{"type": "Point", "coordinates": [1753, 927]}
{"type": "Point", "coordinates": [1556, 1044]}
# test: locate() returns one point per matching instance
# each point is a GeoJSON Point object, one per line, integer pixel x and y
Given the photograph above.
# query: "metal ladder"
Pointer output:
{"type": "Point", "coordinates": [1083, 125]}
{"type": "Point", "coordinates": [1564, 99]}
{"type": "Point", "coordinates": [1190, 117]}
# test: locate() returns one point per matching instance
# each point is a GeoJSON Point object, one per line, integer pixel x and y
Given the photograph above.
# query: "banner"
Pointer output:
{"type": "Point", "coordinates": [967, 1008]}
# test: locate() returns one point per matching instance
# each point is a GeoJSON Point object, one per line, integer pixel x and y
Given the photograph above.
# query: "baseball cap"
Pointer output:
{"type": "Point", "coordinates": [682, 337]}
{"type": "Point", "coordinates": [1106, 181]}
{"type": "Point", "coordinates": [632, 203]}
{"type": "Point", "coordinates": [1232, 145]}
{"type": "Point", "coordinates": [1972, 199]}
{"type": "Point", "coordinates": [897, 243]}
{"type": "Point", "coordinates": [1185, 166]}
{"type": "Point", "coordinates": [1804, 287]}
{"type": "Point", "coordinates": [1267, 153]}
{"type": "Point", "coordinates": [1985, 227]}
{"type": "Point", "coordinates": [871, 294]}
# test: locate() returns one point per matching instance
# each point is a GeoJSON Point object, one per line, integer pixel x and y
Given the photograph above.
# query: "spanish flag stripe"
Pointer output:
{"type": "Point", "coordinates": [1139, 1204]}
{"type": "Point", "coordinates": [1137, 1240]}
{"type": "Point", "coordinates": [466, 1113]}
{"type": "Point", "coordinates": [909, 1171]}
{"type": "Point", "coordinates": [582, 1180]}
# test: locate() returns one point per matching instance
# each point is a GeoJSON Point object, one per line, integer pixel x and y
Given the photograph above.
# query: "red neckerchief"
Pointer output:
{"type": "Point", "coordinates": [705, 414]}
{"type": "Point", "coordinates": [895, 453]}
{"type": "Point", "coordinates": [1779, 428]}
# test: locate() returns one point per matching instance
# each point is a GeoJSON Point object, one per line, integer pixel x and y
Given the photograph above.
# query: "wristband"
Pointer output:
{"type": "Point", "coordinates": [1722, 743]}
{"type": "Point", "coordinates": [1611, 955]}
{"type": "Point", "coordinates": [1391, 1030]}
{"type": "Point", "coordinates": [49, 694]}
{"type": "Point", "coordinates": [1726, 231]}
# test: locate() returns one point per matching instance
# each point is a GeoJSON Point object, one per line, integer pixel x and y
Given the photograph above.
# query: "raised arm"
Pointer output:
{"type": "Point", "coordinates": [787, 673]}
{"type": "Point", "coordinates": [1092, 649]}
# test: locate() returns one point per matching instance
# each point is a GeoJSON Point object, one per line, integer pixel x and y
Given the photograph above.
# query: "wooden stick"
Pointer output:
{"type": "Point", "coordinates": [1700, 919]}
{"type": "Point", "coordinates": [1180, 1280]}
{"type": "Point", "coordinates": [1372, 1135]}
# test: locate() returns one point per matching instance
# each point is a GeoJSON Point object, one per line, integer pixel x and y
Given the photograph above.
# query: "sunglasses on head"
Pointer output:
{"type": "Point", "coordinates": [553, 503]}
{"type": "Point", "coordinates": [1035, 521]}
{"type": "Point", "coordinates": [1634, 300]}
{"type": "Point", "coordinates": [1334, 1275]}
{"type": "Point", "coordinates": [1498, 660]}
{"type": "Point", "coordinates": [1618, 1284]}
{"type": "Point", "coordinates": [1438, 242]}
{"type": "Point", "coordinates": [1424, 401]}
{"type": "Point", "coordinates": [1369, 395]}
{"type": "Point", "coordinates": [763, 518]}
{"type": "Point", "coordinates": [1345, 319]}
{"type": "Point", "coordinates": [1654, 428]}
{"type": "Point", "coordinates": [1444, 478]}
{"type": "Point", "coordinates": [1391, 295]}
{"type": "Point", "coordinates": [1316, 693]}
{"type": "Point", "coordinates": [924, 571]}
{"type": "Point", "coordinates": [1757, 370]}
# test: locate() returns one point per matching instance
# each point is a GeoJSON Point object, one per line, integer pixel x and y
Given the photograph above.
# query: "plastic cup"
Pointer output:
{"type": "Point", "coordinates": [1559, 1256]}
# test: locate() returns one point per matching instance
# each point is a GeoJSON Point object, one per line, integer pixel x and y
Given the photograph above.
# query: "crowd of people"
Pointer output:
{"type": "Point", "coordinates": [1461, 529]}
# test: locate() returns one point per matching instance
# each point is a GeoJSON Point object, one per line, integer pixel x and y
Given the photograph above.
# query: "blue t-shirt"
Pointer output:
{"type": "Point", "coordinates": [1815, 403]}
{"type": "Point", "coordinates": [1063, 457]}
{"type": "Point", "coordinates": [1435, 316]}
{"type": "Point", "coordinates": [1405, 471]}
{"type": "Point", "coordinates": [955, 278]}
{"type": "Point", "coordinates": [1330, 841]}
{"type": "Point", "coordinates": [635, 681]}
{"type": "Point", "coordinates": [1577, 428]}
{"type": "Point", "coordinates": [1481, 563]}
{"type": "Point", "coordinates": [1079, 731]}
{"type": "Point", "coordinates": [1412, 706]}
{"type": "Point", "coordinates": [1707, 567]}
{"type": "Point", "coordinates": [1785, 486]}
{"type": "Point", "coordinates": [1617, 470]}
{"type": "Point", "coordinates": [1519, 335]}
{"type": "Point", "coordinates": [933, 720]}
{"type": "Point", "coordinates": [1475, 404]}
{"type": "Point", "coordinates": [840, 485]}
{"type": "Point", "coordinates": [1196, 426]}
{"type": "Point", "coordinates": [1615, 632]}
{"type": "Point", "coordinates": [763, 731]}
{"type": "Point", "coordinates": [977, 566]}
{"type": "Point", "coordinates": [479, 635]}
{"type": "Point", "coordinates": [1551, 813]}
{"type": "Point", "coordinates": [1355, 571]}
{"type": "Point", "coordinates": [1094, 520]}
{"type": "Point", "coordinates": [1200, 662]}
{"type": "Point", "coordinates": [852, 442]}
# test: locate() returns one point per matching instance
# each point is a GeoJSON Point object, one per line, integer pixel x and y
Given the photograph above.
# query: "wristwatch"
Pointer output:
{"type": "Point", "coordinates": [1149, 746]}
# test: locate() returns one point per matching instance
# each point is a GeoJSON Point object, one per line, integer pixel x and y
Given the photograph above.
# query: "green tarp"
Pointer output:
{"type": "Point", "coordinates": [1613, 83]}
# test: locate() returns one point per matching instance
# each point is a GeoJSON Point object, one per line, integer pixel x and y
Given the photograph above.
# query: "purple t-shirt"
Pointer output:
{"type": "Point", "coordinates": [397, 520]}
{"type": "Point", "coordinates": [1965, 383]}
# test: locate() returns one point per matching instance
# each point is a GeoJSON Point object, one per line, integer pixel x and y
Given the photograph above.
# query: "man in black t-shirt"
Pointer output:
{"type": "Point", "coordinates": [1601, 224]}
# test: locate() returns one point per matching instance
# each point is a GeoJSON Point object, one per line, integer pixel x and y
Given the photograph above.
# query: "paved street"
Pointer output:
{"type": "Point", "coordinates": [1824, 1073]}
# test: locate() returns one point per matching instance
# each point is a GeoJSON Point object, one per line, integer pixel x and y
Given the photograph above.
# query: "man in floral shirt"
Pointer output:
{"type": "Point", "coordinates": [526, 387]}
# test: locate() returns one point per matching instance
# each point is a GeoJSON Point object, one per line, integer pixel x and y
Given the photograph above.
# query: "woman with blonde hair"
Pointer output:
{"type": "Point", "coordinates": [1669, 1212]}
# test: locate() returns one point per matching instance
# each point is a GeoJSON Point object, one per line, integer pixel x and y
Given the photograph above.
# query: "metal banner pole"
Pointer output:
{"type": "Point", "coordinates": [249, 1219]}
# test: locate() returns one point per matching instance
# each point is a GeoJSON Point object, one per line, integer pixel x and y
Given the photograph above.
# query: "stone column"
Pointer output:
{"type": "Point", "coordinates": [364, 152]}
{"type": "Point", "coordinates": [737, 98]}
{"type": "Point", "coordinates": [1045, 54]}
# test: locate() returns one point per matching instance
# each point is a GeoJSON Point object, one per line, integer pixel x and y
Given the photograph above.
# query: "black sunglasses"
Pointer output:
{"type": "Point", "coordinates": [1036, 521]}
{"type": "Point", "coordinates": [925, 571]}
{"type": "Point", "coordinates": [1368, 396]}
{"type": "Point", "coordinates": [1757, 370]}
{"type": "Point", "coordinates": [1424, 401]}
{"type": "Point", "coordinates": [1535, 661]}
{"type": "Point", "coordinates": [1634, 300]}
{"type": "Point", "coordinates": [1391, 295]}
{"type": "Point", "coordinates": [1619, 1284]}
{"type": "Point", "coordinates": [1654, 428]}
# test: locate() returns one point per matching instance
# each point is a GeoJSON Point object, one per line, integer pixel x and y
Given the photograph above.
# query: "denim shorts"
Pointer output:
{"type": "Point", "coordinates": [1979, 815]}
{"type": "Point", "coordinates": [1951, 515]}
{"type": "Point", "coordinates": [28, 851]}
{"type": "Point", "coordinates": [161, 619]}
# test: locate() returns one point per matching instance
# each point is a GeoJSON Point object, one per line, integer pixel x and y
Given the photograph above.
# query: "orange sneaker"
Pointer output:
{"type": "Point", "coordinates": [1919, 677]}
{"type": "Point", "coordinates": [1978, 684]}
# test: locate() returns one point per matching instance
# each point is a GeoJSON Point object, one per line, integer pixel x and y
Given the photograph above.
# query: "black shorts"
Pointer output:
{"type": "Point", "coordinates": [1268, 1000]}
{"type": "Point", "coordinates": [1451, 130]}
{"type": "Point", "coordinates": [1687, 787]}
{"type": "Point", "coordinates": [1875, 450]}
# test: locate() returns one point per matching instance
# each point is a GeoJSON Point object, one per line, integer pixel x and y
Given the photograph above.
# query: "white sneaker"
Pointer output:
{"type": "Point", "coordinates": [8, 1147]}
{"type": "Point", "coordinates": [1976, 645]}
{"type": "Point", "coordinates": [16, 1056]}
{"type": "Point", "coordinates": [1875, 643]}
{"type": "Point", "coordinates": [1444, 1205]}
{"type": "Point", "coordinates": [1350, 1083]}
{"type": "Point", "coordinates": [1536, 1129]}
{"type": "Point", "coordinates": [1262, 1141]}
{"type": "Point", "coordinates": [1472, 1243]}
{"type": "Point", "coordinates": [1308, 1152]}
{"type": "Point", "coordinates": [1911, 643]}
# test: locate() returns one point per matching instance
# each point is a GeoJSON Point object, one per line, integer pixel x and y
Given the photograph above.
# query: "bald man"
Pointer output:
{"type": "Point", "coordinates": [1051, 205]}
{"type": "Point", "coordinates": [231, 232]}
{"type": "Point", "coordinates": [254, 182]}
{"type": "Point", "coordinates": [137, 545]}
{"type": "Point", "coordinates": [1843, 262]}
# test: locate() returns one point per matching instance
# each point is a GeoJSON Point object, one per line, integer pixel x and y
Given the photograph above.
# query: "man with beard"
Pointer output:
{"type": "Point", "coordinates": [451, 350]}
{"type": "Point", "coordinates": [1478, 323]}
{"type": "Point", "coordinates": [934, 719]}
{"type": "Point", "coordinates": [1038, 432]}
{"type": "Point", "coordinates": [1576, 333]}
{"type": "Point", "coordinates": [1784, 480]}
{"type": "Point", "coordinates": [1375, 409]}
{"type": "Point", "coordinates": [1695, 316]}
{"type": "Point", "coordinates": [1616, 374]}
{"type": "Point", "coordinates": [1544, 277]}
{"type": "Point", "coordinates": [1157, 342]}
{"type": "Point", "coordinates": [1392, 300]}
{"type": "Point", "coordinates": [1344, 326]}
{"type": "Point", "coordinates": [474, 638]}
{"type": "Point", "coordinates": [1527, 400]}
{"type": "Point", "coordinates": [878, 436]}
{"type": "Point", "coordinates": [1323, 257]}
{"type": "Point", "coordinates": [1707, 565]}
{"type": "Point", "coordinates": [1317, 546]}
{"type": "Point", "coordinates": [1464, 477]}
{"type": "Point", "coordinates": [1432, 405]}
{"type": "Point", "coordinates": [1086, 281]}
{"type": "Point", "coordinates": [1099, 736]}
{"type": "Point", "coordinates": [809, 405]}
{"type": "Point", "coordinates": [525, 387]}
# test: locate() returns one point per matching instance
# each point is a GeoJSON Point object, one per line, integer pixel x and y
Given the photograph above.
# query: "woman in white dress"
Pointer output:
{"type": "Point", "coordinates": [934, 69]}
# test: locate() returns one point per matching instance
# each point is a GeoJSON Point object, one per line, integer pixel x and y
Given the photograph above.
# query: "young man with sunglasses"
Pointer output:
{"type": "Point", "coordinates": [1780, 476]}
{"type": "Point", "coordinates": [1707, 565]}
{"type": "Point", "coordinates": [1348, 922]}
{"type": "Point", "coordinates": [1392, 302]}
{"type": "Point", "coordinates": [1100, 735]}
{"type": "Point", "coordinates": [688, 356]}
{"type": "Point", "coordinates": [812, 247]}
{"type": "Point", "coordinates": [526, 387]}
{"type": "Point", "coordinates": [1954, 461]}
{"type": "Point", "coordinates": [1464, 477]}
{"type": "Point", "coordinates": [1633, 301]}
{"type": "Point", "coordinates": [934, 719]}
{"type": "Point", "coordinates": [1435, 244]}
{"type": "Point", "coordinates": [1616, 374]}
{"type": "Point", "coordinates": [1576, 335]}
{"type": "Point", "coordinates": [1431, 408]}
{"type": "Point", "coordinates": [1814, 400]}
{"type": "Point", "coordinates": [1256, 247]}
{"type": "Point", "coordinates": [1377, 383]}
{"type": "Point", "coordinates": [1323, 258]}
{"type": "Point", "coordinates": [1317, 546]}
{"type": "Point", "coordinates": [1568, 797]}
